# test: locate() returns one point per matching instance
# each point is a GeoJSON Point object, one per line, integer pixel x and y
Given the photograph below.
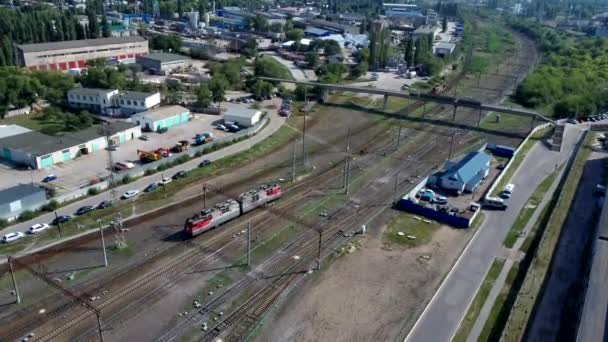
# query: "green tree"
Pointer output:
{"type": "Point", "coordinates": [93, 24]}
{"type": "Point", "coordinates": [296, 35]}
{"type": "Point", "coordinates": [359, 70]}
{"type": "Point", "coordinates": [204, 95]}
{"type": "Point", "coordinates": [444, 25]}
{"type": "Point", "coordinates": [313, 59]}
{"type": "Point", "coordinates": [105, 27]}
{"type": "Point", "coordinates": [261, 89]}
{"type": "Point", "coordinates": [218, 86]}
{"type": "Point", "coordinates": [409, 53]}
{"type": "Point", "coordinates": [276, 27]}
{"type": "Point", "coordinates": [269, 67]}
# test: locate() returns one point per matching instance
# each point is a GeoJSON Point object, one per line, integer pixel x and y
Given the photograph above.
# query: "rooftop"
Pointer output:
{"type": "Point", "coordinates": [163, 57]}
{"type": "Point", "coordinates": [89, 91]}
{"type": "Point", "coordinates": [469, 166]}
{"type": "Point", "coordinates": [74, 44]}
{"type": "Point", "coordinates": [164, 112]}
{"type": "Point", "coordinates": [426, 29]}
{"type": "Point", "coordinates": [315, 31]}
{"type": "Point", "coordinates": [445, 45]}
{"type": "Point", "coordinates": [241, 112]}
{"type": "Point", "coordinates": [136, 95]}
{"type": "Point", "coordinates": [94, 132]}
{"type": "Point", "coordinates": [18, 192]}
{"type": "Point", "coordinates": [10, 130]}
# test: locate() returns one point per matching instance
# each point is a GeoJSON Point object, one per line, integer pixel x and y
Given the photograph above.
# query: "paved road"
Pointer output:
{"type": "Point", "coordinates": [442, 316]}
{"type": "Point", "coordinates": [297, 73]}
{"type": "Point", "coordinates": [275, 123]}
{"type": "Point", "coordinates": [568, 262]}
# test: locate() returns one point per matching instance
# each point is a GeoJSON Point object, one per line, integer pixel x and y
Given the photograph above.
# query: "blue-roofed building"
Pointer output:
{"type": "Point", "coordinates": [467, 174]}
{"type": "Point", "coordinates": [316, 32]}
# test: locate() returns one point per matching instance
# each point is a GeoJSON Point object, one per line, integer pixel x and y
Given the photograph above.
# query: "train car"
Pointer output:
{"type": "Point", "coordinates": [257, 197]}
{"type": "Point", "coordinates": [212, 217]}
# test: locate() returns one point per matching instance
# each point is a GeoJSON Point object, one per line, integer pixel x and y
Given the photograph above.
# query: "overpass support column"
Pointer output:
{"type": "Point", "coordinates": [385, 101]}
{"type": "Point", "coordinates": [454, 113]}
{"type": "Point", "coordinates": [479, 118]}
{"type": "Point", "coordinates": [324, 95]}
{"type": "Point", "coordinates": [532, 122]}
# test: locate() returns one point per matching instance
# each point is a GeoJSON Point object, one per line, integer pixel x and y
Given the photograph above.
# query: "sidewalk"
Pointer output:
{"type": "Point", "coordinates": [454, 296]}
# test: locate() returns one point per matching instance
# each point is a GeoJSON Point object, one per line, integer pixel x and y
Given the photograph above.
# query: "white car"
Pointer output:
{"type": "Point", "coordinates": [165, 180]}
{"type": "Point", "coordinates": [130, 193]}
{"type": "Point", "coordinates": [38, 227]}
{"type": "Point", "coordinates": [10, 237]}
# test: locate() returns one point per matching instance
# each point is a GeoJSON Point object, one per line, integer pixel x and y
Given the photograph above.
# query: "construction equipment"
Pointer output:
{"type": "Point", "coordinates": [204, 138]}
{"type": "Point", "coordinates": [181, 146]}
{"type": "Point", "coordinates": [148, 156]}
{"type": "Point", "coordinates": [164, 152]}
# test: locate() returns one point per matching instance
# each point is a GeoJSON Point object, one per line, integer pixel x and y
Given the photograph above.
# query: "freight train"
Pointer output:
{"type": "Point", "coordinates": [223, 212]}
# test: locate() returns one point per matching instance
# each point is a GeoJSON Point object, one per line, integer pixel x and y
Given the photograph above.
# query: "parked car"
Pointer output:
{"type": "Point", "coordinates": [112, 147]}
{"type": "Point", "coordinates": [221, 127]}
{"type": "Point", "coordinates": [151, 187]}
{"type": "Point", "coordinates": [144, 137]}
{"type": "Point", "coordinates": [180, 174]}
{"type": "Point", "coordinates": [84, 210]}
{"type": "Point", "coordinates": [105, 204]}
{"type": "Point", "coordinates": [233, 128]}
{"type": "Point", "coordinates": [440, 200]}
{"type": "Point", "coordinates": [37, 228]}
{"type": "Point", "coordinates": [162, 130]}
{"type": "Point", "coordinates": [204, 163]}
{"type": "Point", "coordinates": [130, 194]}
{"type": "Point", "coordinates": [61, 219]}
{"type": "Point", "coordinates": [165, 180]}
{"type": "Point", "coordinates": [10, 237]}
{"type": "Point", "coordinates": [49, 178]}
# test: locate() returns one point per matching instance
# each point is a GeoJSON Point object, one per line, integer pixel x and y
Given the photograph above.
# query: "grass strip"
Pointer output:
{"type": "Point", "coordinates": [480, 298]}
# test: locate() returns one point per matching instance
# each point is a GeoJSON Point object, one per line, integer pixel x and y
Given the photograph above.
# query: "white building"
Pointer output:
{"type": "Point", "coordinates": [243, 117]}
{"type": "Point", "coordinates": [443, 49]}
{"type": "Point", "coordinates": [131, 102]}
{"type": "Point", "coordinates": [97, 100]}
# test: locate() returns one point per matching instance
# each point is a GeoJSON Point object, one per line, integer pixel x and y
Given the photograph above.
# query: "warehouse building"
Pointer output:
{"type": "Point", "coordinates": [75, 53]}
{"type": "Point", "coordinates": [131, 102]}
{"type": "Point", "coordinates": [38, 151]}
{"type": "Point", "coordinates": [161, 63]}
{"type": "Point", "coordinates": [467, 174]}
{"type": "Point", "coordinates": [243, 117]}
{"type": "Point", "coordinates": [93, 99]}
{"type": "Point", "coordinates": [10, 130]}
{"type": "Point", "coordinates": [163, 117]}
{"type": "Point", "coordinates": [19, 198]}
{"type": "Point", "coordinates": [444, 49]}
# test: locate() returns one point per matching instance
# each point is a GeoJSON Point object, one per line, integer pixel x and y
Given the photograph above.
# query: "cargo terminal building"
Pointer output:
{"type": "Point", "coordinates": [75, 53]}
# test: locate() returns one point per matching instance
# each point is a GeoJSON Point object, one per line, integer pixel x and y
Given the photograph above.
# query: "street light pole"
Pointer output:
{"type": "Point", "coordinates": [58, 224]}
{"type": "Point", "coordinates": [10, 265]}
{"type": "Point", "coordinates": [103, 245]}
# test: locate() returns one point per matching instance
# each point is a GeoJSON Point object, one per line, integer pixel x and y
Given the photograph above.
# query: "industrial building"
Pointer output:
{"type": "Point", "coordinates": [131, 102]}
{"type": "Point", "coordinates": [38, 151]}
{"type": "Point", "coordinates": [443, 49]}
{"type": "Point", "coordinates": [161, 63]}
{"type": "Point", "coordinates": [75, 53]}
{"type": "Point", "coordinates": [19, 198]}
{"type": "Point", "coordinates": [467, 174]}
{"type": "Point", "coordinates": [243, 117]}
{"type": "Point", "coordinates": [10, 130]}
{"type": "Point", "coordinates": [163, 117]}
{"type": "Point", "coordinates": [425, 30]}
{"type": "Point", "coordinates": [93, 99]}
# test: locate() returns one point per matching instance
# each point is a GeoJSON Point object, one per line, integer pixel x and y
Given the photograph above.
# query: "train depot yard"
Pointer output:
{"type": "Point", "coordinates": [325, 180]}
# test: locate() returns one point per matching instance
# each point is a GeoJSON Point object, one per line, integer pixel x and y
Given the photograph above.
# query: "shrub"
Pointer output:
{"type": "Point", "coordinates": [51, 206]}
{"type": "Point", "coordinates": [127, 179]}
{"type": "Point", "coordinates": [149, 172]}
{"type": "Point", "coordinates": [27, 215]}
{"type": "Point", "coordinates": [199, 154]}
{"type": "Point", "coordinates": [162, 167]}
{"type": "Point", "coordinates": [93, 191]}
{"type": "Point", "coordinates": [3, 223]}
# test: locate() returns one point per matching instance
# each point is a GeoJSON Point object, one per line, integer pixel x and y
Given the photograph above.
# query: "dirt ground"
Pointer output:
{"type": "Point", "coordinates": [372, 294]}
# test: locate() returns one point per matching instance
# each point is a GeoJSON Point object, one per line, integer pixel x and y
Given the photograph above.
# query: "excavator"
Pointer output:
{"type": "Point", "coordinates": [148, 156]}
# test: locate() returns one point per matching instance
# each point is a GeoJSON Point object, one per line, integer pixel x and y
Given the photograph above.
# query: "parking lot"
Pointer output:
{"type": "Point", "coordinates": [81, 171]}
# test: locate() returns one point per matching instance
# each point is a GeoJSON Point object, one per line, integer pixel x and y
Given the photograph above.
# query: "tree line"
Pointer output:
{"type": "Point", "coordinates": [572, 79]}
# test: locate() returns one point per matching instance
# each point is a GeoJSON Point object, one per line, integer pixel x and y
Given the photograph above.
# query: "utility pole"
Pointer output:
{"type": "Point", "coordinates": [293, 161]}
{"type": "Point", "coordinates": [304, 142]}
{"type": "Point", "coordinates": [99, 328]}
{"type": "Point", "coordinates": [347, 163]}
{"type": "Point", "coordinates": [454, 113]}
{"type": "Point", "coordinates": [204, 196]}
{"type": "Point", "coordinates": [399, 138]}
{"type": "Point", "coordinates": [248, 243]}
{"type": "Point", "coordinates": [451, 146]}
{"type": "Point", "coordinates": [479, 118]}
{"type": "Point", "coordinates": [116, 223]}
{"type": "Point", "coordinates": [396, 186]}
{"type": "Point", "coordinates": [10, 265]}
{"type": "Point", "coordinates": [103, 244]}
{"type": "Point", "coordinates": [58, 223]}
{"type": "Point", "coordinates": [319, 250]}
{"type": "Point", "coordinates": [162, 182]}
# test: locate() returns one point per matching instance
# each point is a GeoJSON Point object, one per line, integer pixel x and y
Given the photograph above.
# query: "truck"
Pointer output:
{"type": "Point", "coordinates": [204, 138]}
{"type": "Point", "coordinates": [164, 152]}
{"type": "Point", "coordinates": [148, 156]}
{"type": "Point", "coordinates": [181, 146]}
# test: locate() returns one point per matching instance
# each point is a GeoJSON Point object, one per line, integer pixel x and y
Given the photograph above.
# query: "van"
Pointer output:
{"type": "Point", "coordinates": [508, 191]}
{"type": "Point", "coordinates": [495, 203]}
{"type": "Point", "coordinates": [124, 165]}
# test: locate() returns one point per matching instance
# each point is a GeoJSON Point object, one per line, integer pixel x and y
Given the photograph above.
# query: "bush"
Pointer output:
{"type": "Point", "coordinates": [162, 167]}
{"type": "Point", "coordinates": [3, 223]}
{"type": "Point", "coordinates": [27, 215]}
{"type": "Point", "coordinates": [51, 206]}
{"type": "Point", "coordinates": [93, 191]}
{"type": "Point", "coordinates": [127, 179]}
{"type": "Point", "coordinates": [199, 154]}
{"type": "Point", "coordinates": [182, 159]}
{"type": "Point", "coordinates": [149, 172]}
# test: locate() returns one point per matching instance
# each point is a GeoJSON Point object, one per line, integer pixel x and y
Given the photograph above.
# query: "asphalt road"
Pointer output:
{"type": "Point", "coordinates": [276, 122]}
{"type": "Point", "coordinates": [442, 316]}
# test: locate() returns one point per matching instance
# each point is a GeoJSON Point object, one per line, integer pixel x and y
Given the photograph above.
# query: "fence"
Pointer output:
{"type": "Point", "coordinates": [141, 170]}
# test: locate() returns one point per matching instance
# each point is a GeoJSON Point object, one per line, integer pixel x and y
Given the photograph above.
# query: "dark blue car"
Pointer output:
{"type": "Point", "coordinates": [49, 178]}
